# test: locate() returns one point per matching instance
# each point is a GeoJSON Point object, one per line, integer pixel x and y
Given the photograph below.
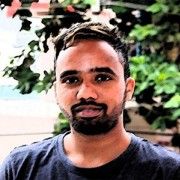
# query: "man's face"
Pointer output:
{"type": "Point", "coordinates": [90, 86]}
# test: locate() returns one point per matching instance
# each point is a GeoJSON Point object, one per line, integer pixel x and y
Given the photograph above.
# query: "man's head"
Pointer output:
{"type": "Point", "coordinates": [92, 77]}
{"type": "Point", "coordinates": [90, 30]}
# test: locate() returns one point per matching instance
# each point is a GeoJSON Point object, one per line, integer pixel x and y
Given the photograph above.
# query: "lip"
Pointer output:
{"type": "Point", "coordinates": [88, 111]}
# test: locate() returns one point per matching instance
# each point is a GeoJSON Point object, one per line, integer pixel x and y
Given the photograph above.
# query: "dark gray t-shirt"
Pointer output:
{"type": "Point", "coordinates": [46, 160]}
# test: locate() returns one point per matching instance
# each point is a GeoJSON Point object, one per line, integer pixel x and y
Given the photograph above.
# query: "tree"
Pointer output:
{"type": "Point", "coordinates": [152, 31]}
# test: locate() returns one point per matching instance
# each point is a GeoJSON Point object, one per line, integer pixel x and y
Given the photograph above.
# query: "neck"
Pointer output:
{"type": "Point", "coordinates": [96, 150]}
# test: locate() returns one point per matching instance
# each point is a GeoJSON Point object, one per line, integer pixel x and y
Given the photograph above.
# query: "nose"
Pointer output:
{"type": "Point", "coordinates": [86, 91]}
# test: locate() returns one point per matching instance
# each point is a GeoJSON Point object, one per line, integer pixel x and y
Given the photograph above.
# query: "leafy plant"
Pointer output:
{"type": "Point", "coordinates": [62, 125]}
{"type": "Point", "coordinates": [141, 32]}
{"type": "Point", "coordinates": [154, 39]}
{"type": "Point", "coordinates": [154, 67]}
{"type": "Point", "coordinates": [156, 79]}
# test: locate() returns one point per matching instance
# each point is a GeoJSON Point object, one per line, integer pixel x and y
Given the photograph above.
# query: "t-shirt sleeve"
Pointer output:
{"type": "Point", "coordinates": [7, 169]}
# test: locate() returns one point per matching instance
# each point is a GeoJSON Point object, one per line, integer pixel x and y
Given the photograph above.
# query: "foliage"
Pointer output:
{"type": "Point", "coordinates": [142, 32]}
{"type": "Point", "coordinates": [156, 79]}
{"type": "Point", "coordinates": [154, 39]}
{"type": "Point", "coordinates": [62, 125]}
{"type": "Point", "coordinates": [156, 68]}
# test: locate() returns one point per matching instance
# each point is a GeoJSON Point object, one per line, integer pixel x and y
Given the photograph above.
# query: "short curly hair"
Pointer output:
{"type": "Point", "coordinates": [93, 30]}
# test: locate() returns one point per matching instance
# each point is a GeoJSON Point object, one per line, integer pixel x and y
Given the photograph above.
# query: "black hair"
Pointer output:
{"type": "Point", "coordinates": [93, 30]}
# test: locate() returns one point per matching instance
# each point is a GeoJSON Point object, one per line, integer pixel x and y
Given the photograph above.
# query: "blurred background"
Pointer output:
{"type": "Point", "coordinates": [28, 111]}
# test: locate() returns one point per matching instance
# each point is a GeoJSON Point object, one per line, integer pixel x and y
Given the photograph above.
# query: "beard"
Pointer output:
{"type": "Point", "coordinates": [95, 125]}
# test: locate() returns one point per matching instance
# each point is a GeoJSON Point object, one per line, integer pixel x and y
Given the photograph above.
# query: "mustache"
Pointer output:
{"type": "Point", "coordinates": [85, 103]}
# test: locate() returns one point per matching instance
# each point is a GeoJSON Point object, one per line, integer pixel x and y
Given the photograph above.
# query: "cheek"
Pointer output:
{"type": "Point", "coordinates": [65, 98]}
{"type": "Point", "coordinates": [113, 97]}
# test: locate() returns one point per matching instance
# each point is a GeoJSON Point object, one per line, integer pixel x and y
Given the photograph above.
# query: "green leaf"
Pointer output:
{"type": "Point", "coordinates": [161, 77]}
{"type": "Point", "coordinates": [165, 88]}
{"type": "Point", "coordinates": [176, 114]}
{"type": "Point", "coordinates": [91, 2]}
{"type": "Point", "coordinates": [143, 86]}
{"type": "Point", "coordinates": [33, 44]}
{"type": "Point", "coordinates": [174, 102]}
{"type": "Point", "coordinates": [46, 83]}
{"type": "Point", "coordinates": [158, 90]}
{"type": "Point", "coordinates": [142, 32]}
{"type": "Point", "coordinates": [158, 7]}
{"type": "Point", "coordinates": [138, 59]}
{"type": "Point", "coordinates": [61, 124]}
{"type": "Point", "coordinates": [159, 123]}
{"type": "Point", "coordinates": [119, 9]}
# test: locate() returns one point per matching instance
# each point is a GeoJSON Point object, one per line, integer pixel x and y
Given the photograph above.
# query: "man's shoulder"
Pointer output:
{"type": "Point", "coordinates": [30, 158]}
{"type": "Point", "coordinates": [149, 151]}
{"type": "Point", "coordinates": [151, 158]}
{"type": "Point", "coordinates": [33, 150]}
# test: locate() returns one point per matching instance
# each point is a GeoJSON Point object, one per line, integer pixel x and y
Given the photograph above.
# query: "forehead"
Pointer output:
{"type": "Point", "coordinates": [87, 54]}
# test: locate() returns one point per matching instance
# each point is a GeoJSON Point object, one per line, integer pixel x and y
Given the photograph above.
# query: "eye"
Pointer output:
{"type": "Point", "coordinates": [71, 80]}
{"type": "Point", "coordinates": [102, 78]}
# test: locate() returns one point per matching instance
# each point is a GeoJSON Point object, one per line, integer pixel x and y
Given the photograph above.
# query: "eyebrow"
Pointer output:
{"type": "Point", "coordinates": [97, 69]}
{"type": "Point", "coordinates": [103, 70]}
{"type": "Point", "coordinates": [68, 73]}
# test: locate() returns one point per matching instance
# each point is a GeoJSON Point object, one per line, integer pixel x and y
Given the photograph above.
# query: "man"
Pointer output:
{"type": "Point", "coordinates": [92, 85]}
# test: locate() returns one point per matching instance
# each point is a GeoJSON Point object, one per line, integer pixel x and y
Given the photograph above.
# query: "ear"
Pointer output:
{"type": "Point", "coordinates": [130, 85]}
